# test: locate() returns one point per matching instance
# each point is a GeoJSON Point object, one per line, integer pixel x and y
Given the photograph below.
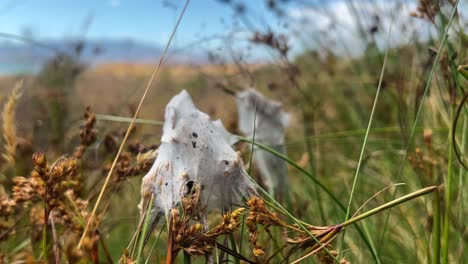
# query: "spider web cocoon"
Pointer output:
{"type": "Point", "coordinates": [270, 124]}
{"type": "Point", "coordinates": [195, 149]}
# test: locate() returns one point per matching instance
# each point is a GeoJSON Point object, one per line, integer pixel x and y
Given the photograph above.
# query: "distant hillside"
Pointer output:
{"type": "Point", "coordinates": [27, 58]}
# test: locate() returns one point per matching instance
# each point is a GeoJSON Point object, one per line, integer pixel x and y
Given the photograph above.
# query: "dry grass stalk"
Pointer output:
{"type": "Point", "coordinates": [9, 124]}
{"type": "Point", "coordinates": [130, 126]}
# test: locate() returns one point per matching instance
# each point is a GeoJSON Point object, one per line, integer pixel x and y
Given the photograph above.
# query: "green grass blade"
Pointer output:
{"type": "Point", "coordinates": [234, 247]}
{"type": "Point", "coordinates": [418, 113]}
{"type": "Point", "coordinates": [391, 204]}
{"type": "Point", "coordinates": [253, 139]}
{"type": "Point", "coordinates": [146, 224]}
{"type": "Point", "coordinates": [436, 230]}
{"type": "Point", "coordinates": [462, 174]}
{"type": "Point", "coordinates": [187, 258]}
{"type": "Point", "coordinates": [448, 192]}
{"type": "Point", "coordinates": [312, 161]}
{"type": "Point", "coordinates": [154, 245]}
{"type": "Point", "coordinates": [356, 133]}
{"type": "Point", "coordinates": [364, 144]}
{"type": "Point", "coordinates": [463, 70]}
{"type": "Point", "coordinates": [122, 119]}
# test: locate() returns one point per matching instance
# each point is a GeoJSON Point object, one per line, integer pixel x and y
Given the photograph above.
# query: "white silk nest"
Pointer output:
{"type": "Point", "coordinates": [195, 149]}
{"type": "Point", "coordinates": [268, 121]}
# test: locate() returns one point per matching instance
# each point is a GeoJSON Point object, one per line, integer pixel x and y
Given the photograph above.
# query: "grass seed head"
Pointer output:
{"type": "Point", "coordinates": [9, 124]}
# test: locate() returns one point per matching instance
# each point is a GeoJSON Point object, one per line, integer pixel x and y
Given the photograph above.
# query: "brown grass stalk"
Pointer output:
{"type": "Point", "coordinates": [132, 123]}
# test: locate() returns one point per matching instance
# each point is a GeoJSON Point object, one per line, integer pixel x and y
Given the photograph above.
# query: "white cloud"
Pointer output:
{"type": "Point", "coordinates": [339, 24]}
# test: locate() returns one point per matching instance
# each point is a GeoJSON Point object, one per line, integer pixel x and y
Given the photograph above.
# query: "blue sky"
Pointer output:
{"type": "Point", "coordinates": [142, 20]}
{"type": "Point", "coordinates": [151, 21]}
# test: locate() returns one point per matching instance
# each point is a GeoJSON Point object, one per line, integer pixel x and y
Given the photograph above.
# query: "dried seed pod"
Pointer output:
{"type": "Point", "coordinates": [39, 160]}
{"type": "Point", "coordinates": [7, 206]}
{"type": "Point", "coordinates": [88, 133]}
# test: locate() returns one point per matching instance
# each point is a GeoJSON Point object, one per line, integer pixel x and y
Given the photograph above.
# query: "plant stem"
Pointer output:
{"type": "Point", "coordinates": [436, 229]}
{"type": "Point", "coordinates": [147, 217]}
{"type": "Point", "coordinates": [462, 174]}
{"type": "Point", "coordinates": [46, 221]}
{"type": "Point", "coordinates": [44, 238]}
{"type": "Point", "coordinates": [390, 204]}
{"type": "Point", "coordinates": [122, 119]}
{"type": "Point", "coordinates": [187, 258]}
{"type": "Point", "coordinates": [234, 248]}
{"type": "Point", "coordinates": [448, 185]}
{"type": "Point", "coordinates": [312, 161]}
{"type": "Point", "coordinates": [242, 234]}
{"type": "Point", "coordinates": [253, 139]}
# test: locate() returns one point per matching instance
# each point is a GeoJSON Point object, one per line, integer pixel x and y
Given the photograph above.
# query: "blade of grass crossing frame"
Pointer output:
{"type": "Point", "coordinates": [364, 143]}
{"type": "Point", "coordinates": [436, 229]}
{"type": "Point", "coordinates": [148, 86]}
{"type": "Point", "coordinates": [122, 119]}
{"type": "Point", "coordinates": [312, 160]}
{"type": "Point", "coordinates": [141, 243]}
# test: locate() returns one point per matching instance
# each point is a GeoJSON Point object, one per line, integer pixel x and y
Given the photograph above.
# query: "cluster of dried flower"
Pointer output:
{"type": "Point", "coordinates": [187, 232]}
{"type": "Point", "coordinates": [51, 195]}
{"type": "Point", "coordinates": [428, 9]}
{"type": "Point", "coordinates": [88, 133]}
{"type": "Point", "coordinates": [425, 161]}
{"type": "Point", "coordinates": [137, 160]}
{"type": "Point", "coordinates": [129, 166]}
{"type": "Point", "coordinates": [259, 214]}
{"type": "Point", "coordinates": [7, 209]}
{"type": "Point", "coordinates": [277, 42]}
